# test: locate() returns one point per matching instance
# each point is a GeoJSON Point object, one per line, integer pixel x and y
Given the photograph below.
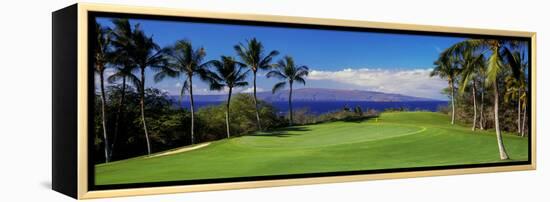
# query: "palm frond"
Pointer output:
{"type": "Point", "coordinates": [241, 76]}
{"type": "Point", "coordinates": [134, 80]}
{"type": "Point", "coordinates": [115, 77]}
{"type": "Point", "coordinates": [300, 80]}
{"type": "Point", "coordinates": [302, 71]}
{"type": "Point", "coordinates": [464, 81]}
{"type": "Point", "coordinates": [184, 87]}
{"type": "Point", "coordinates": [275, 73]}
{"type": "Point", "coordinates": [227, 72]}
{"type": "Point", "coordinates": [166, 72]}
{"type": "Point", "coordinates": [445, 66]}
{"type": "Point", "coordinates": [216, 86]}
{"type": "Point", "coordinates": [240, 84]}
{"type": "Point", "coordinates": [265, 63]}
{"type": "Point", "coordinates": [513, 59]}
{"type": "Point", "coordinates": [493, 67]}
{"type": "Point", "coordinates": [203, 70]}
{"type": "Point", "coordinates": [466, 45]}
{"type": "Point", "coordinates": [278, 86]}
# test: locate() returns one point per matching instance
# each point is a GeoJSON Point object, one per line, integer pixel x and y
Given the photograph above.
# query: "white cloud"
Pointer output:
{"type": "Point", "coordinates": [251, 89]}
{"type": "Point", "coordinates": [207, 91]}
{"type": "Point", "coordinates": [414, 82]}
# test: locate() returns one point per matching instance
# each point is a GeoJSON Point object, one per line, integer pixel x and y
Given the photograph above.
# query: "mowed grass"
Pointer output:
{"type": "Point", "coordinates": [394, 140]}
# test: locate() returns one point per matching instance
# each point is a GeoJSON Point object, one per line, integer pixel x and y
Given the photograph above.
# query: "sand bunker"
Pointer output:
{"type": "Point", "coordinates": [185, 149]}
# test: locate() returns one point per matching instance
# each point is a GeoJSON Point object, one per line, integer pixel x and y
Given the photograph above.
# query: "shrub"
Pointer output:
{"type": "Point", "coordinates": [242, 117]}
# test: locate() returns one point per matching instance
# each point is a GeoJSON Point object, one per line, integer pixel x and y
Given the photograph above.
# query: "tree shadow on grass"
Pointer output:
{"type": "Point", "coordinates": [282, 132]}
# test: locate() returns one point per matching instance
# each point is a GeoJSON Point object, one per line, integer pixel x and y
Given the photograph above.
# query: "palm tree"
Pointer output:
{"type": "Point", "coordinates": [472, 64]}
{"type": "Point", "coordinates": [122, 73]}
{"type": "Point", "coordinates": [513, 93]}
{"type": "Point", "coordinates": [446, 68]}
{"type": "Point", "coordinates": [495, 67]}
{"type": "Point", "coordinates": [288, 71]}
{"type": "Point", "coordinates": [227, 74]}
{"type": "Point", "coordinates": [524, 106]}
{"type": "Point", "coordinates": [516, 81]}
{"type": "Point", "coordinates": [146, 54]}
{"type": "Point", "coordinates": [123, 64]}
{"type": "Point", "coordinates": [482, 104]}
{"type": "Point", "coordinates": [252, 54]}
{"type": "Point", "coordinates": [101, 59]}
{"type": "Point", "coordinates": [185, 61]}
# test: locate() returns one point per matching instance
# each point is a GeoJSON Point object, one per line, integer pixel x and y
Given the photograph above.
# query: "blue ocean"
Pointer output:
{"type": "Point", "coordinates": [331, 106]}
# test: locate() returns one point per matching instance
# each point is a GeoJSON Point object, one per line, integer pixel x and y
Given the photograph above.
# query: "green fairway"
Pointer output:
{"type": "Point", "coordinates": [394, 140]}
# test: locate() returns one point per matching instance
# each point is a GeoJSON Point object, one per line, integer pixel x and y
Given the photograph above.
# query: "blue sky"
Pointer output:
{"type": "Point", "coordinates": [393, 63]}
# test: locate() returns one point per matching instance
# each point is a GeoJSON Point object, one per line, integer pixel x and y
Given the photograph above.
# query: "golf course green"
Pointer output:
{"type": "Point", "coordinates": [393, 140]}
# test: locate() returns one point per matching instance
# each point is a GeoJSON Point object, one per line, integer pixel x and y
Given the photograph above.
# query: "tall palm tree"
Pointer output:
{"type": "Point", "coordinates": [524, 106]}
{"type": "Point", "coordinates": [513, 93]}
{"type": "Point", "coordinates": [472, 64]}
{"type": "Point", "coordinates": [252, 54]}
{"type": "Point", "coordinates": [482, 90]}
{"type": "Point", "coordinates": [101, 59]}
{"type": "Point", "coordinates": [146, 54]}
{"type": "Point", "coordinates": [446, 68]}
{"type": "Point", "coordinates": [124, 74]}
{"type": "Point", "coordinates": [288, 71]}
{"type": "Point", "coordinates": [124, 66]}
{"type": "Point", "coordinates": [495, 67]}
{"type": "Point", "coordinates": [227, 74]}
{"type": "Point", "coordinates": [517, 80]}
{"type": "Point", "coordinates": [185, 61]}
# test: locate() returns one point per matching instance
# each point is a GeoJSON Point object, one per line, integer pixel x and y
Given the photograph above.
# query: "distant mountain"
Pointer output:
{"type": "Point", "coordinates": [320, 95]}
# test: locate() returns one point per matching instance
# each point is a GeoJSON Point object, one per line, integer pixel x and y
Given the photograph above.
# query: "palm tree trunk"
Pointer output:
{"type": "Point", "coordinates": [519, 111]}
{"type": "Point", "coordinates": [452, 101]}
{"type": "Point", "coordinates": [142, 106]}
{"type": "Point", "coordinates": [524, 118]}
{"type": "Point", "coordinates": [192, 109]}
{"type": "Point", "coordinates": [103, 101]}
{"type": "Point", "coordinates": [256, 105]}
{"type": "Point", "coordinates": [481, 117]}
{"type": "Point", "coordinates": [501, 149]}
{"type": "Point", "coordinates": [290, 105]}
{"type": "Point", "coordinates": [227, 112]}
{"type": "Point", "coordinates": [118, 115]}
{"type": "Point", "coordinates": [475, 106]}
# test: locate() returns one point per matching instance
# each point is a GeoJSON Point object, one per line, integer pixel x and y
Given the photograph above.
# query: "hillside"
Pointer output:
{"type": "Point", "coordinates": [322, 95]}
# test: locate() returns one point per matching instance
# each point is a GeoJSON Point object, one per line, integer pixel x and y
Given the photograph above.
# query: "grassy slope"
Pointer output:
{"type": "Point", "coordinates": [395, 140]}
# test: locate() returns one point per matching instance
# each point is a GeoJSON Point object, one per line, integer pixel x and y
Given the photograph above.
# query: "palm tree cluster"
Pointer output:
{"type": "Point", "coordinates": [129, 51]}
{"type": "Point", "coordinates": [486, 66]}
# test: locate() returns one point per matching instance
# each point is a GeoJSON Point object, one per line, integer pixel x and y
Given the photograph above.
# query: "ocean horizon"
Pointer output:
{"type": "Point", "coordinates": [321, 107]}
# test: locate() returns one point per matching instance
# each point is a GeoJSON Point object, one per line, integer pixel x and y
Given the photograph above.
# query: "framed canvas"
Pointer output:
{"type": "Point", "coordinates": [156, 100]}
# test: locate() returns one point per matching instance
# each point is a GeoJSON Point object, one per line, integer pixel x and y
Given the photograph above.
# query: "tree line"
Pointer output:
{"type": "Point", "coordinates": [130, 51]}
{"type": "Point", "coordinates": [479, 71]}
